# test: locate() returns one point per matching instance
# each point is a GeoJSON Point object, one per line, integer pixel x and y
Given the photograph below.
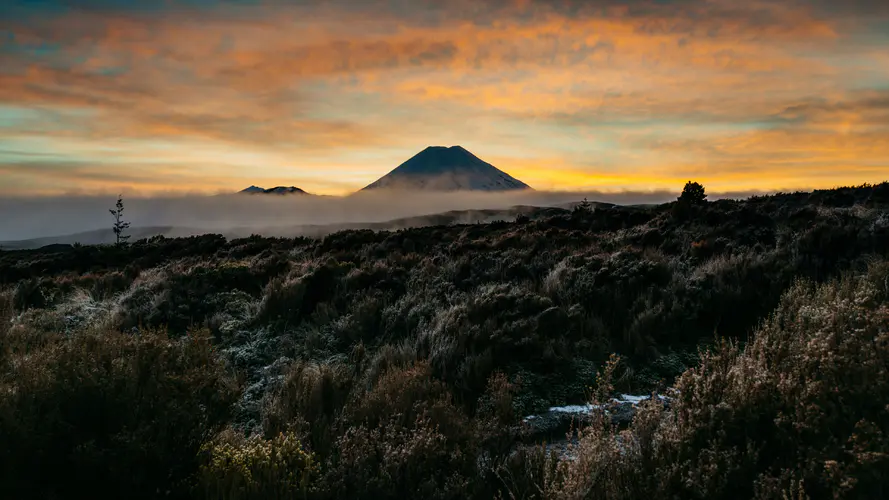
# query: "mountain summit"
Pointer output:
{"type": "Point", "coordinates": [439, 168]}
{"type": "Point", "coordinates": [274, 190]}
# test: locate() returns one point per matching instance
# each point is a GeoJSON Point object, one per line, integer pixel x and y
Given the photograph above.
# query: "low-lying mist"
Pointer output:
{"type": "Point", "coordinates": [270, 215]}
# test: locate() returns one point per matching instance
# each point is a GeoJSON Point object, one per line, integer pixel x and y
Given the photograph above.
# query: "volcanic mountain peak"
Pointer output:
{"type": "Point", "coordinates": [439, 168]}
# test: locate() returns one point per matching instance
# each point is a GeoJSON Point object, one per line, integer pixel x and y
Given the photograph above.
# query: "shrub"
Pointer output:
{"type": "Point", "coordinates": [288, 301]}
{"type": "Point", "coordinates": [497, 401]}
{"type": "Point", "coordinates": [7, 340]}
{"type": "Point", "coordinates": [388, 357]}
{"type": "Point", "coordinates": [405, 395]}
{"type": "Point", "coordinates": [105, 414]}
{"type": "Point", "coordinates": [530, 473]}
{"type": "Point", "coordinates": [238, 468]}
{"type": "Point", "coordinates": [7, 310]}
{"type": "Point", "coordinates": [34, 293]}
{"type": "Point", "coordinates": [800, 401]}
{"type": "Point", "coordinates": [496, 428]}
{"type": "Point", "coordinates": [395, 462]}
{"type": "Point", "coordinates": [403, 438]}
{"type": "Point", "coordinates": [282, 300]}
{"type": "Point", "coordinates": [185, 295]}
{"type": "Point", "coordinates": [310, 401]}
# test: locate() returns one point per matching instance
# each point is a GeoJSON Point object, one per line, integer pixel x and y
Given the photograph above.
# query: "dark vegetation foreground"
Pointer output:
{"type": "Point", "coordinates": [399, 364]}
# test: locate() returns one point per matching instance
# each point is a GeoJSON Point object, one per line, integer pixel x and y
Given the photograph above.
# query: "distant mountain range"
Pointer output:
{"type": "Point", "coordinates": [275, 190]}
{"type": "Point", "coordinates": [436, 168]}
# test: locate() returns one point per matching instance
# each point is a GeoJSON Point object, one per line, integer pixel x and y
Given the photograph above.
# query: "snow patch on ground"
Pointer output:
{"type": "Point", "coordinates": [634, 400]}
{"type": "Point", "coordinates": [574, 409]}
{"type": "Point", "coordinates": [581, 409]}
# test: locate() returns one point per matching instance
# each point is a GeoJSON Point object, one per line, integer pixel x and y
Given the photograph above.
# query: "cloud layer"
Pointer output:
{"type": "Point", "coordinates": [242, 215]}
{"type": "Point", "coordinates": [99, 96]}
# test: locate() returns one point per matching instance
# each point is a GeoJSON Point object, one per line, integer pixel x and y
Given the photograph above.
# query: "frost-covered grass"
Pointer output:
{"type": "Point", "coordinates": [800, 412]}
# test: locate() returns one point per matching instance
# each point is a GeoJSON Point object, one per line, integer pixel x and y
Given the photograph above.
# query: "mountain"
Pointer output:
{"type": "Point", "coordinates": [438, 168]}
{"type": "Point", "coordinates": [274, 190]}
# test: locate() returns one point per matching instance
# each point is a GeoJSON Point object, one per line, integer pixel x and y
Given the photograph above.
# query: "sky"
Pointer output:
{"type": "Point", "coordinates": [166, 96]}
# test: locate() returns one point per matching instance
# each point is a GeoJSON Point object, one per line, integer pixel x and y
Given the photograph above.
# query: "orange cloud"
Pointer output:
{"type": "Point", "coordinates": [629, 94]}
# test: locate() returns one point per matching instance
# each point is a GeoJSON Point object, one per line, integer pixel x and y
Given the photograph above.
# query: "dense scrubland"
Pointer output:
{"type": "Point", "coordinates": [400, 364]}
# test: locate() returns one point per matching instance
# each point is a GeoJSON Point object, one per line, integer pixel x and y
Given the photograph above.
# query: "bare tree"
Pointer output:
{"type": "Point", "coordinates": [119, 224]}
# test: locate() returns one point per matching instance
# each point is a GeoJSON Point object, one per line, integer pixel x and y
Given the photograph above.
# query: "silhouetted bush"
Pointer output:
{"type": "Point", "coordinates": [692, 194]}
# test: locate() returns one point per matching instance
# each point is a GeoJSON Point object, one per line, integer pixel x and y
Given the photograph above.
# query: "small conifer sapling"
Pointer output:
{"type": "Point", "coordinates": [120, 225]}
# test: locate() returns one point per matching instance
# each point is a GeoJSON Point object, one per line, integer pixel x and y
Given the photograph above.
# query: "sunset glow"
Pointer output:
{"type": "Point", "coordinates": [211, 96]}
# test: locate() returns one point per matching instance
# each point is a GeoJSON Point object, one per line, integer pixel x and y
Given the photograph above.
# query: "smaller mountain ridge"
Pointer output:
{"type": "Point", "coordinates": [275, 190]}
{"type": "Point", "coordinates": [439, 168]}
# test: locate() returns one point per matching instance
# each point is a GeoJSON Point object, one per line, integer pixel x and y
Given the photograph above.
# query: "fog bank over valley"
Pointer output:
{"type": "Point", "coordinates": [236, 215]}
